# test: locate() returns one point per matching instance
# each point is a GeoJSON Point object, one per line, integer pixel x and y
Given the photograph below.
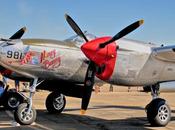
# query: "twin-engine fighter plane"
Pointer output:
{"type": "Point", "coordinates": [69, 68]}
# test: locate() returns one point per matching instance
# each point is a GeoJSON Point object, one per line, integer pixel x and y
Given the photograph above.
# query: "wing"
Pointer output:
{"type": "Point", "coordinates": [166, 53]}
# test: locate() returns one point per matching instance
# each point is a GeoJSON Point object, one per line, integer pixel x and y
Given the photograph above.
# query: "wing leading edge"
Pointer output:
{"type": "Point", "coordinates": [166, 53]}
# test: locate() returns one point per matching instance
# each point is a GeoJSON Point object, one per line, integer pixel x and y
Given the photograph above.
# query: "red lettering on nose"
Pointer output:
{"type": "Point", "coordinates": [46, 55]}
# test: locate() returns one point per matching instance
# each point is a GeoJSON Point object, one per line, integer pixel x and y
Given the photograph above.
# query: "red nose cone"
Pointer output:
{"type": "Point", "coordinates": [93, 52]}
{"type": "Point", "coordinates": [101, 56]}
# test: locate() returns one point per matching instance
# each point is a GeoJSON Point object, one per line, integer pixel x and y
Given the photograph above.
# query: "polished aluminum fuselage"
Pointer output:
{"type": "Point", "coordinates": [136, 62]}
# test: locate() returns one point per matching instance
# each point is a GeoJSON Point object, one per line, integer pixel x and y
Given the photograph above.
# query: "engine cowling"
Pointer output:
{"type": "Point", "coordinates": [104, 58]}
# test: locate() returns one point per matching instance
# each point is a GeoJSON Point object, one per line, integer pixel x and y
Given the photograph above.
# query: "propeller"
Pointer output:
{"type": "Point", "coordinates": [123, 32]}
{"type": "Point", "coordinates": [88, 85]}
{"type": "Point", "coordinates": [18, 34]}
{"type": "Point", "coordinates": [90, 73]}
{"type": "Point", "coordinates": [91, 70]}
{"type": "Point", "coordinates": [75, 27]}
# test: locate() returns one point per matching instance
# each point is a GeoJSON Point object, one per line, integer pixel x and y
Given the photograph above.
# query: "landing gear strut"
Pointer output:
{"type": "Point", "coordinates": [158, 111]}
{"type": "Point", "coordinates": [25, 113]}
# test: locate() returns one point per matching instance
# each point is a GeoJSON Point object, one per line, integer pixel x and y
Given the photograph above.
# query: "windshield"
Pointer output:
{"type": "Point", "coordinates": [78, 40]}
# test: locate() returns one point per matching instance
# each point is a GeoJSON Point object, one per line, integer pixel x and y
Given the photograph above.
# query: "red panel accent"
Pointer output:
{"type": "Point", "coordinates": [101, 56]}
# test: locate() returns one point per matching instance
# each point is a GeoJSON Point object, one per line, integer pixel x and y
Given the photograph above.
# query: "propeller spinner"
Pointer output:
{"type": "Point", "coordinates": [102, 53]}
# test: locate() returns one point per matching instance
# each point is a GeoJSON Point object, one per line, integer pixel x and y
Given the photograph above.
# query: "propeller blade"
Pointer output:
{"type": "Point", "coordinates": [75, 27]}
{"type": "Point", "coordinates": [18, 34]}
{"type": "Point", "coordinates": [88, 85]}
{"type": "Point", "coordinates": [123, 32]}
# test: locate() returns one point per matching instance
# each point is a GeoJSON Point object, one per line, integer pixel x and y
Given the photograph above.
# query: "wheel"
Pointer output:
{"type": "Point", "coordinates": [55, 103]}
{"type": "Point", "coordinates": [22, 117]}
{"type": "Point", "coordinates": [13, 100]}
{"type": "Point", "coordinates": [158, 112]}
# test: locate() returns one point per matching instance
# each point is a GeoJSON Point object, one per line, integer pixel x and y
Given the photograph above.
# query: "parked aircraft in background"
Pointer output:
{"type": "Point", "coordinates": [69, 68]}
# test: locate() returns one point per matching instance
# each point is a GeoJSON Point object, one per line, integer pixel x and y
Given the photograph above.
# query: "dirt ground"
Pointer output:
{"type": "Point", "coordinates": [119, 109]}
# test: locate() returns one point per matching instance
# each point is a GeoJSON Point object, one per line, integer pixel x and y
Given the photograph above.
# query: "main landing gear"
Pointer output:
{"type": "Point", "coordinates": [158, 111]}
{"type": "Point", "coordinates": [25, 113]}
{"type": "Point", "coordinates": [55, 103]}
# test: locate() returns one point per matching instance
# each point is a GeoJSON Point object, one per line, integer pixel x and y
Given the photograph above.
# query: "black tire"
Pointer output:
{"type": "Point", "coordinates": [13, 100]}
{"type": "Point", "coordinates": [55, 103]}
{"type": "Point", "coordinates": [24, 120]}
{"type": "Point", "coordinates": [158, 112]}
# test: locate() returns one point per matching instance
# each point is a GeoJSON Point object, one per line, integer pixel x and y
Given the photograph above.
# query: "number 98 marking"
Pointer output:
{"type": "Point", "coordinates": [15, 54]}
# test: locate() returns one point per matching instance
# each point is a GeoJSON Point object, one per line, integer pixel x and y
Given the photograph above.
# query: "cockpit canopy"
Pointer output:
{"type": "Point", "coordinates": [79, 40]}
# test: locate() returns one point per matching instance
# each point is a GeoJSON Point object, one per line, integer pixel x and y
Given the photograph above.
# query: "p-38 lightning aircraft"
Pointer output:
{"type": "Point", "coordinates": [69, 68]}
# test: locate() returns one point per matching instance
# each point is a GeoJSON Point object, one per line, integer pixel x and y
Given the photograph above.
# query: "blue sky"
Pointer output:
{"type": "Point", "coordinates": [45, 18]}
